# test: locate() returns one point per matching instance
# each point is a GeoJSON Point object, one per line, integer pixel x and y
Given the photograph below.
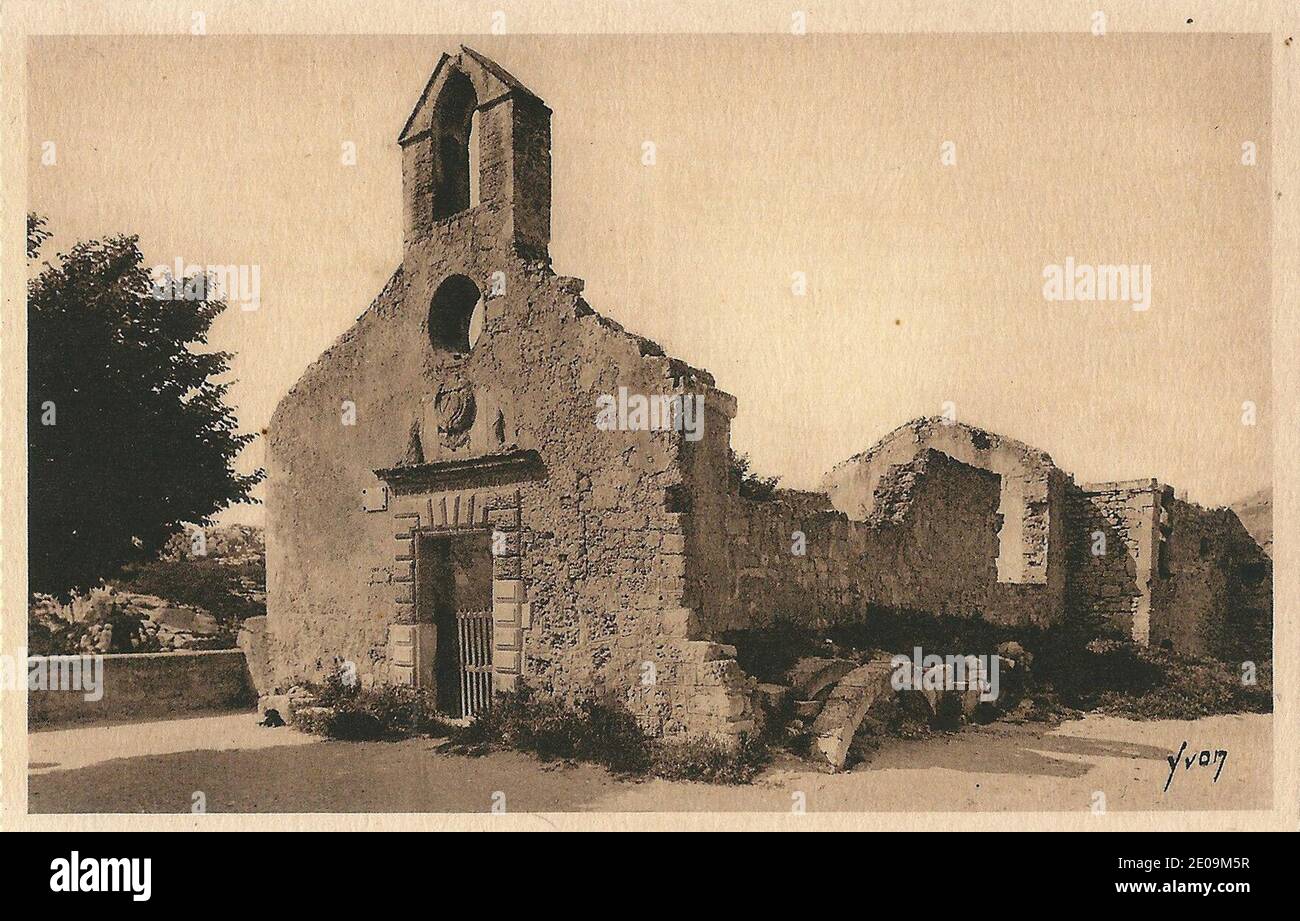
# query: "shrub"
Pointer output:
{"type": "Point", "coordinates": [358, 714]}
{"type": "Point", "coordinates": [338, 688]}
{"type": "Point", "coordinates": [605, 734]}
{"type": "Point", "coordinates": [544, 726]}
{"type": "Point", "coordinates": [110, 627]}
{"type": "Point", "coordinates": [1079, 670]}
{"type": "Point", "coordinates": [707, 761]}
{"type": "Point", "coordinates": [48, 633]}
{"type": "Point", "coordinates": [1187, 688]}
{"type": "Point", "coordinates": [346, 723]}
{"type": "Point", "coordinates": [749, 485]}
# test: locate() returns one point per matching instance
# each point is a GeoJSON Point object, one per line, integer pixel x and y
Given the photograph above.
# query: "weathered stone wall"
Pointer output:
{"type": "Point", "coordinates": [1162, 571]}
{"type": "Point", "coordinates": [1031, 549]}
{"type": "Point", "coordinates": [601, 543]}
{"type": "Point", "coordinates": [147, 686]}
{"type": "Point", "coordinates": [705, 502]}
{"type": "Point", "coordinates": [1213, 592]}
{"type": "Point", "coordinates": [514, 151]}
{"type": "Point", "coordinates": [931, 545]}
{"type": "Point", "coordinates": [592, 591]}
{"type": "Point", "coordinates": [1115, 539]}
{"type": "Point", "coordinates": [1027, 486]}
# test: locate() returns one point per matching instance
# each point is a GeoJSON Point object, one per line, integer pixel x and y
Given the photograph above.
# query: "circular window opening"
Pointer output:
{"type": "Point", "coordinates": [456, 315]}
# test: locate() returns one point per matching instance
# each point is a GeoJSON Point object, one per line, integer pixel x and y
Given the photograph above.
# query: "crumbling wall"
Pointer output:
{"type": "Point", "coordinates": [1114, 550]}
{"type": "Point", "coordinates": [402, 429]}
{"type": "Point", "coordinates": [1162, 571]}
{"type": "Point", "coordinates": [1031, 552]}
{"type": "Point", "coordinates": [931, 546]}
{"type": "Point", "coordinates": [1031, 490]}
{"type": "Point", "coordinates": [767, 577]}
{"type": "Point", "coordinates": [705, 504]}
{"type": "Point", "coordinates": [601, 534]}
{"type": "Point", "coordinates": [1213, 595]}
{"type": "Point", "coordinates": [939, 521]}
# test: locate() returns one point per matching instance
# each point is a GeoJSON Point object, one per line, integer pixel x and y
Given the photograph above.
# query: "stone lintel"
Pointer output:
{"type": "Point", "coordinates": [452, 474]}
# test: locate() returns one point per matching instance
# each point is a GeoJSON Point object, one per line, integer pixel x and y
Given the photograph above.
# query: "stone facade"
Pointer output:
{"type": "Point", "coordinates": [1214, 591]}
{"type": "Point", "coordinates": [402, 433]}
{"type": "Point", "coordinates": [440, 490]}
{"type": "Point", "coordinates": [1117, 539]}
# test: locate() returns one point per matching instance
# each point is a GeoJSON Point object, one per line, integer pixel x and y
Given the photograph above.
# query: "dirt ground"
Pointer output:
{"type": "Point", "coordinates": [240, 767]}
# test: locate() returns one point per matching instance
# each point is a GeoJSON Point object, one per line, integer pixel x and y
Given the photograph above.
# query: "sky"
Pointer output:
{"type": "Point", "coordinates": [920, 183]}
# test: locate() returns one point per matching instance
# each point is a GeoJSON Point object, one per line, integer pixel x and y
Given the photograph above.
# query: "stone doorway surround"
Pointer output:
{"type": "Point", "coordinates": [438, 500]}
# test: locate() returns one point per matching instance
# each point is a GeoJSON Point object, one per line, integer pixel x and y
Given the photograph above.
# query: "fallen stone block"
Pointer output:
{"type": "Point", "coordinates": [934, 682]}
{"type": "Point", "coordinates": [1014, 655]}
{"type": "Point", "coordinates": [970, 701]}
{"type": "Point", "coordinates": [847, 706]}
{"type": "Point", "coordinates": [809, 677]}
{"type": "Point", "coordinates": [252, 639]}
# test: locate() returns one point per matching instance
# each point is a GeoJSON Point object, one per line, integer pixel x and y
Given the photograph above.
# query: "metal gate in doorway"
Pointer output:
{"type": "Point", "coordinates": [474, 660]}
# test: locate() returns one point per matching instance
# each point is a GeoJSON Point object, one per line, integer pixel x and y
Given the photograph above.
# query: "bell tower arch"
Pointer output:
{"type": "Point", "coordinates": [513, 159]}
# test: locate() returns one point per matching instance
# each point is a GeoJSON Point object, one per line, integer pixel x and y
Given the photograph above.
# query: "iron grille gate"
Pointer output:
{"type": "Point", "coordinates": [474, 655]}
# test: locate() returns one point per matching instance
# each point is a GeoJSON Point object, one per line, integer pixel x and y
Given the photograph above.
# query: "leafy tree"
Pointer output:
{"type": "Point", "coordinates": [36, 234]}
{"type": "Point", "coordinates": [749, 485]}
{"type": "Point", "coordinates": [129, 435]}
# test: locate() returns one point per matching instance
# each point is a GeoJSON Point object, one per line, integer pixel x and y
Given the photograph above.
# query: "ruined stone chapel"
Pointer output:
{"type": "Point", "coordinates": [466, 526]}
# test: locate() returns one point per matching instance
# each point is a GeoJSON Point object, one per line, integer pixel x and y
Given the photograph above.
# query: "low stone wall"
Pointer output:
{"type": "Point", "coordinates": [145, 686]}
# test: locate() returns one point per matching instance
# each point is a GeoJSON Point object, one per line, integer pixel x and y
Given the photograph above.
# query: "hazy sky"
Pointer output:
{"type": "Point", "coordinates": [774, 155]}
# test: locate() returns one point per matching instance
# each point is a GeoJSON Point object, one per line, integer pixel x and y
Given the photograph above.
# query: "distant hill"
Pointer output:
{"type": "Point", "coordinates": [1256, 513]}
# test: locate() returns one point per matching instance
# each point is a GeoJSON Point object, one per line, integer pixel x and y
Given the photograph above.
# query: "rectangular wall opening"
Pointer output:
{"type": "Point", "coordinates": [453, 591]}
